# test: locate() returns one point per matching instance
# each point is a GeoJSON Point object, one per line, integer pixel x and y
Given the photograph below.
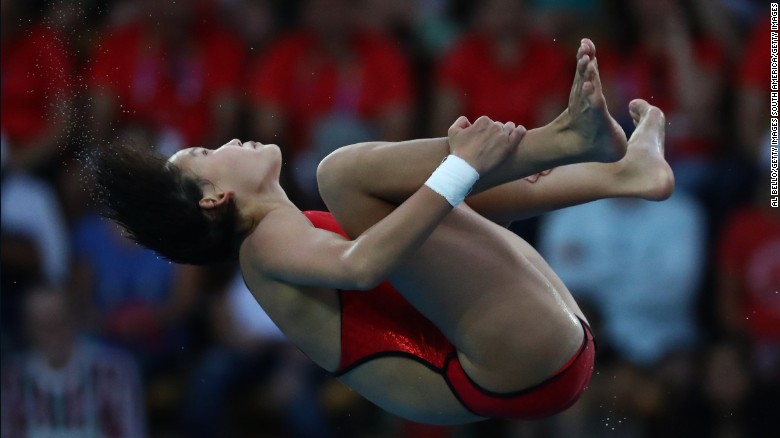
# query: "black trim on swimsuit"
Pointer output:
{"type": "Point", "coordinates": [546, 381]}
{"type": "Point", "coordinates": [453, 390]}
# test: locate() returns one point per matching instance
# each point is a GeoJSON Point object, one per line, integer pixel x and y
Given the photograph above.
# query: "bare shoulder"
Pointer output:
{"type": "Point", "coordinates": [286, 247]}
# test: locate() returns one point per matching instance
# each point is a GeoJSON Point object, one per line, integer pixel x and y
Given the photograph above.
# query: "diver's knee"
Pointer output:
{"type": "Point", "coordinates": [332, 170]}
{"type": "Point", "coordinates": [341, 169]}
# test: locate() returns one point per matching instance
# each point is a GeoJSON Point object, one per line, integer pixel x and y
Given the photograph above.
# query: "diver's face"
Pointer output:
{"type": "Point", "coordinates": [240, 167]}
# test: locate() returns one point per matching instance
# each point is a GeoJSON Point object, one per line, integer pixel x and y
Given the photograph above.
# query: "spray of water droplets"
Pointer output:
{"type": "Point", "coordinates": [72, 31]}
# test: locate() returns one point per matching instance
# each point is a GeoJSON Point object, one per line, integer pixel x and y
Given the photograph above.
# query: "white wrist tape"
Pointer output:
{"type": "Point", "coordinates": [453, 179]}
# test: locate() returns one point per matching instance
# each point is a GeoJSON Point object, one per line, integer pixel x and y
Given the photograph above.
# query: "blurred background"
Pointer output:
{"type": "Point", "coordinates": [103, 338]}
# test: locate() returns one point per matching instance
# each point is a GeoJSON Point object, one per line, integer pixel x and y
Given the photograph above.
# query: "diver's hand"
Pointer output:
{"type": "Point", "coordinates": [485, 143]}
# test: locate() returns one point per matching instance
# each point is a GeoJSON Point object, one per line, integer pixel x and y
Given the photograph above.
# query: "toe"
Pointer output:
{"type": "Point", "coordinates": [588, 46]}
{"type": "Point", "coordinates": [638, 107]}
{"type": "Point", "coordinates": [590, 73]}
{"type": "Point", "coordinates": [597, 77]}
{"type": "Point", "coordinates": [582, 64]}
{"type": "Point", "coordinates": [655, 113]}
{"type": "Point", "coordinates": [640, 110]}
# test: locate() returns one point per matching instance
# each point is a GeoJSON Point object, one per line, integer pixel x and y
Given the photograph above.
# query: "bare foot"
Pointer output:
{"type": "Point", "coordinates": [591, 131]}
{"type": "Point", "coordinates": [645, 173]}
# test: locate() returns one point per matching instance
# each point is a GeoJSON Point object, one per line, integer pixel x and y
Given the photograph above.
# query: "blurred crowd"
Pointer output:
{"type": "Point", "coordinates": [101, 337]}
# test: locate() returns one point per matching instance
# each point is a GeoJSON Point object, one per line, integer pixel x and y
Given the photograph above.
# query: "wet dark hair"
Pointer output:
{"type": "Point", "coordinates": [158, 206]}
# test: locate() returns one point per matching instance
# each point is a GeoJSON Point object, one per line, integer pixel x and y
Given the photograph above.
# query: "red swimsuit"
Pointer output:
{"type": "Point", "coordinates": [380, 323]}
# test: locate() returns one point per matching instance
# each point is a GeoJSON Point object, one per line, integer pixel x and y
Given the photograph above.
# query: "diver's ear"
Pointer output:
{"type": "Point", "coordinates": [215, 200]}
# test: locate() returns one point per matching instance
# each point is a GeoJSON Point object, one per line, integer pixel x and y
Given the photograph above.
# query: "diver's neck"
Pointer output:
{"type": "Point", "coordinates": [256, 207]}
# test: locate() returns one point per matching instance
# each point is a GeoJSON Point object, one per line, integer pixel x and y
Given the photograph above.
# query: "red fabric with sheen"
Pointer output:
{"type": "Point", "coordinates": [381, 322]}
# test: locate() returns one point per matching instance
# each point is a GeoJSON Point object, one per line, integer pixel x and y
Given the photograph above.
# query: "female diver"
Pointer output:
{"type": "Point", "coordinates": [471, 323]}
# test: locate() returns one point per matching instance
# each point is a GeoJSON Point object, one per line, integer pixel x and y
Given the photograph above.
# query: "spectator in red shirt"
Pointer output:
{"type": "Point", "coordinates": [502, 70]}
{"type": "Point", "coordinates": [35, 97]}
{"type": "Point", "coordinates": [174, 70]}
{"type": "Point", "coordinates": [328, 83]}
{"type": "Point", "coordinates": [748, 280]}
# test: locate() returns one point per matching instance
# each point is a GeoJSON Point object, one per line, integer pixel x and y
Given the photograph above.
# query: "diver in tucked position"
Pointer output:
{"type": "Point", "coordinates": [473, 323]}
